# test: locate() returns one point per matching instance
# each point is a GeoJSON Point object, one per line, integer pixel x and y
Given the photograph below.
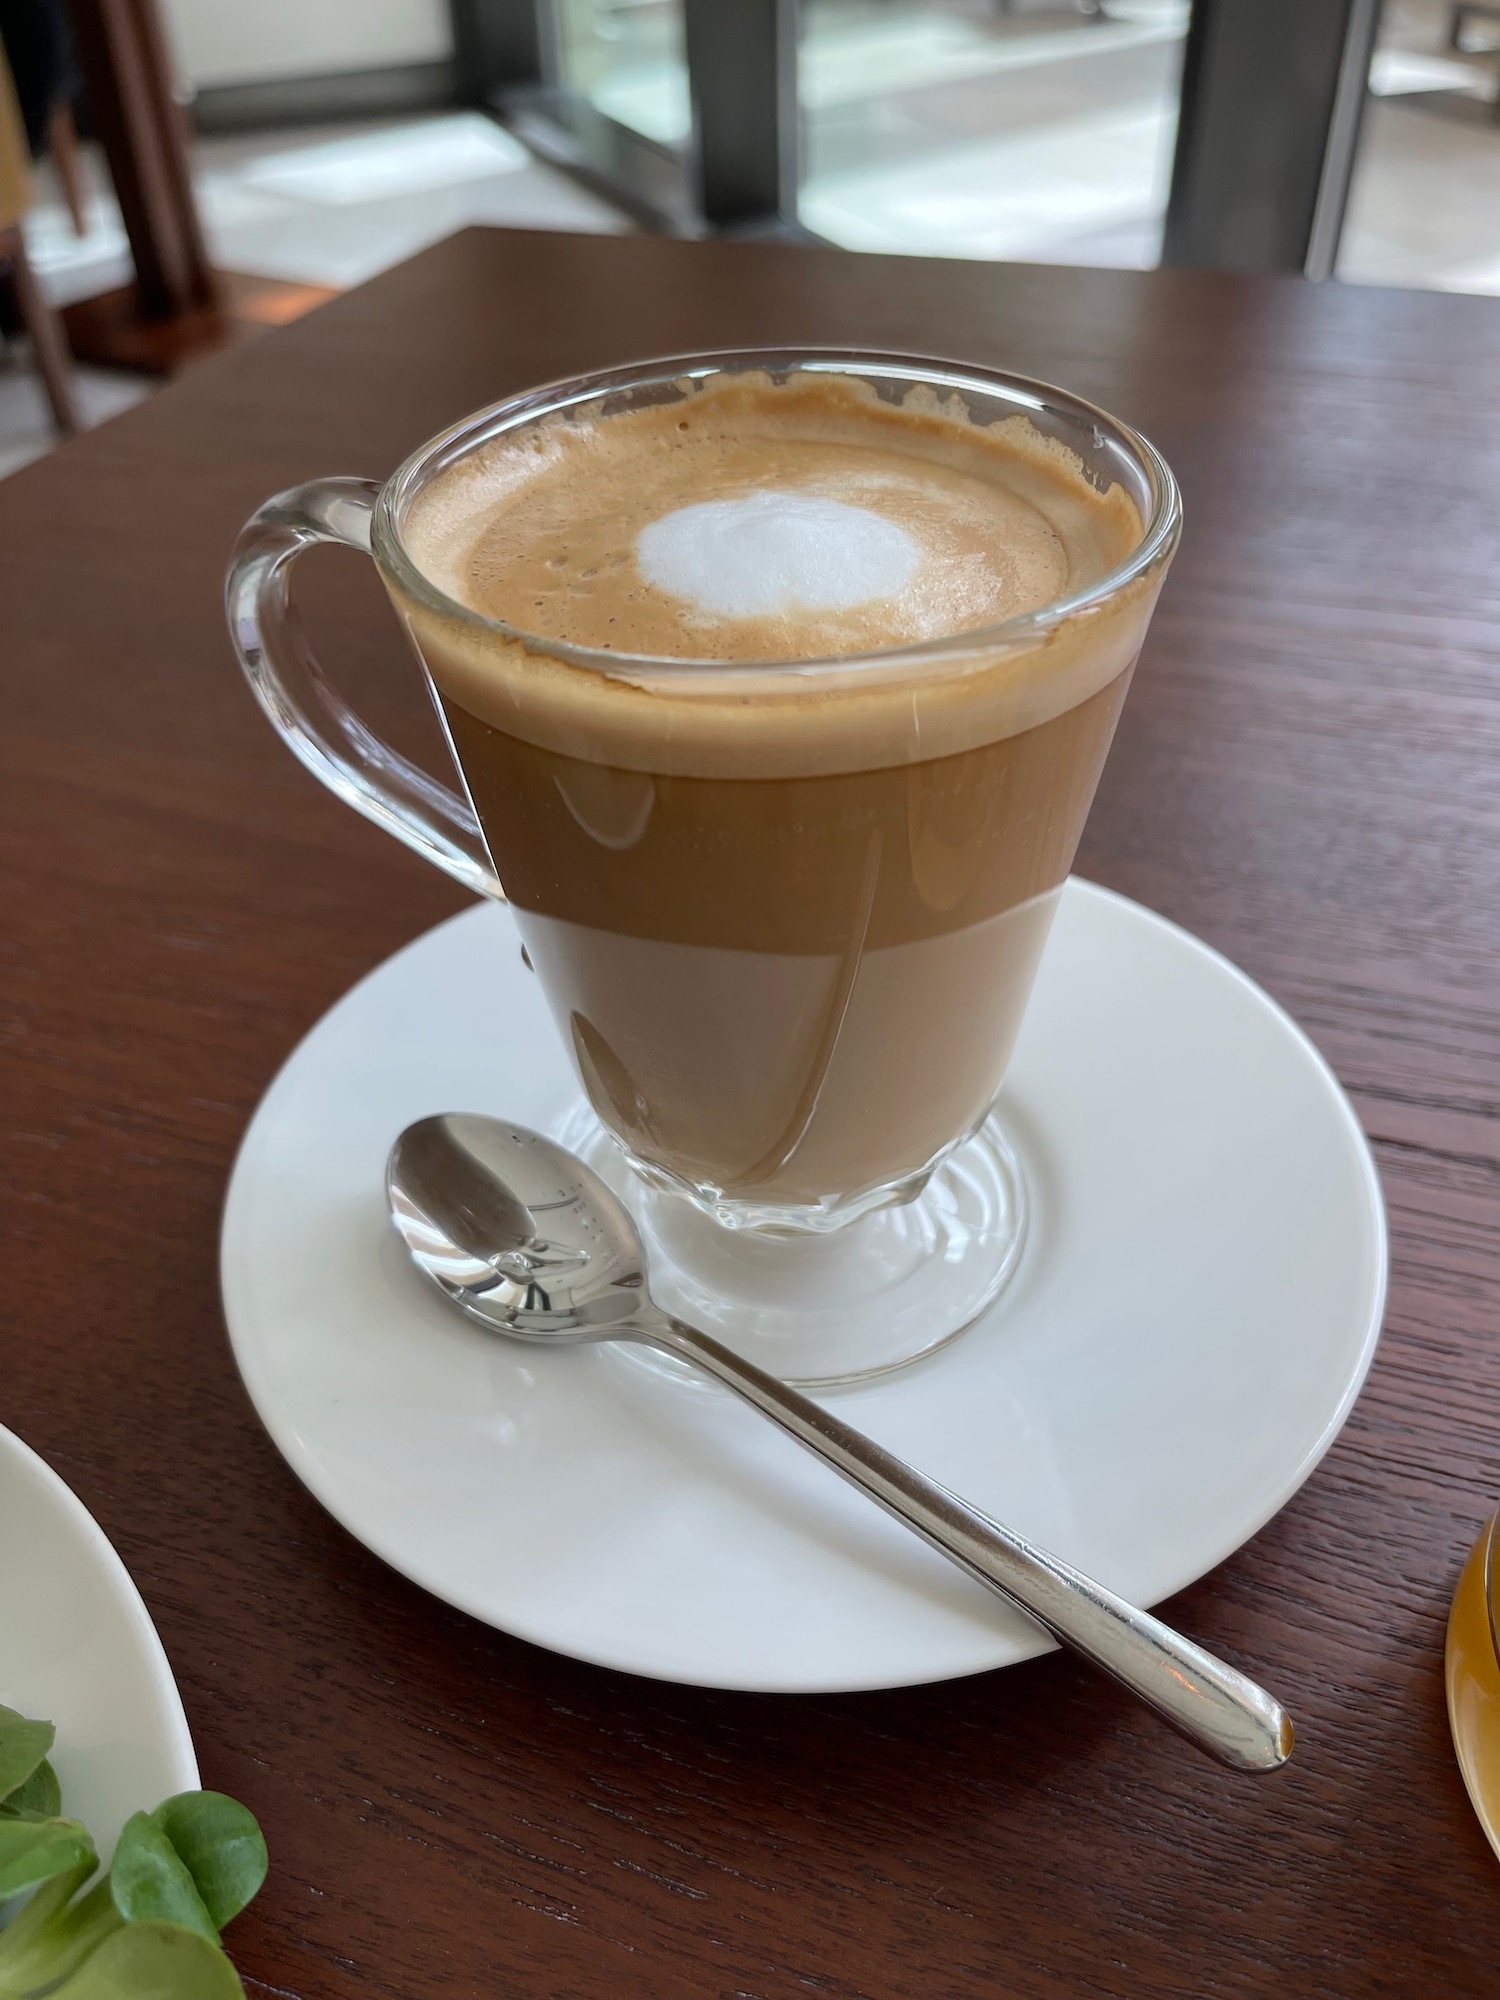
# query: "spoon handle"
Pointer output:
{"type": "Point", "coordinates": [1220, 1710]}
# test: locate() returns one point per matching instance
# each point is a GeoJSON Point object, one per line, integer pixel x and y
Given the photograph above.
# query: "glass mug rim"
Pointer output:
{"type": "Point", "coordinates": [449, 446]}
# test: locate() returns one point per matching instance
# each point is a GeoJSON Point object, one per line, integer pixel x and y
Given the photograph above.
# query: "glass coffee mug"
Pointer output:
{"type": "Point", "coordinates": [786, 914]}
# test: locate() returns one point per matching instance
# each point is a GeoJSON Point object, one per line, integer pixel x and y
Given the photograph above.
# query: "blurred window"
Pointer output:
{"type": "Point", "coordinates": [1424, 207]}
{"type": "Point", "coordinates": [972, 128]}
{"type": "Point", "coordinates": [1221, 133]}
{"type": "Point", "coordinates": [627, 58]}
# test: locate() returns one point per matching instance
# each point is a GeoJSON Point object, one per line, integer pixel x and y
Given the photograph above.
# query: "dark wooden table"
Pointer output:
{"type": "Point", "coordinates": [1306, 775]}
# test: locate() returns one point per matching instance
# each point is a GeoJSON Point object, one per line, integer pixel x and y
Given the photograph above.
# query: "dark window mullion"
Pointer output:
{"type": "Point", "coordinates": [742, 74]}
{"type": "Point", "coordinates": [742, 165]}
{"type": "Point", "coordinates": [1272, 93]}
{"type": "Point", "coordinates": [497, 45]}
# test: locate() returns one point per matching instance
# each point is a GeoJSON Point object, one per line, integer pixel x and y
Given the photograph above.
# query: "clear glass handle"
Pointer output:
{"type": "Point", "coordinates": [320, 727]}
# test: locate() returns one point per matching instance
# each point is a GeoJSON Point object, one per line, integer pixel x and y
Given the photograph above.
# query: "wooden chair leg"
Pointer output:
{"type": "Point", "coordinates": [62, 144]}
{"type": "Point", "coordinates": [54, 363]}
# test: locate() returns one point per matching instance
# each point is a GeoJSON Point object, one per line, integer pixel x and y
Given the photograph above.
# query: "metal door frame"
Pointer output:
{"type": "Point", "coordinates": [739, 171]}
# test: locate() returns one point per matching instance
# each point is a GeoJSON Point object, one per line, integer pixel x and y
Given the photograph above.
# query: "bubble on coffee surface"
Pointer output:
{"type": "Point", "coordinates": [766, 553]}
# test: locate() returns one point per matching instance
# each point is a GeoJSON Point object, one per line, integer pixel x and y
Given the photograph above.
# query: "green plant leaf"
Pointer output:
{"type": "Point", "coordinates": [154, 1961]}
{"type": "Point", "coordinates": [51, 1935]}
{"type": "Point", "coordinates": [220, 1845]}
{"type": "Point", "coordinates": [149, 1880]}
{"type": "Point", "coordinates": [40, 1795]}
{"type": "Point", "coordinates": [32, 1850]}
{"type": "Point", "coordinates": [23, 1745]}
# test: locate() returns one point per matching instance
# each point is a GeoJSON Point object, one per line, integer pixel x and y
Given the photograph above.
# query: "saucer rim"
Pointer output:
{"type": "Point", "coordinates": [159, 1728]}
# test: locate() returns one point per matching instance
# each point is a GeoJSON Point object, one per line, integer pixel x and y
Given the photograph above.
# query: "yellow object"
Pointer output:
{"type": "Point", "coordinates": [15, 173]}
{"type": "Point", "coordinates": [1474, 1688]}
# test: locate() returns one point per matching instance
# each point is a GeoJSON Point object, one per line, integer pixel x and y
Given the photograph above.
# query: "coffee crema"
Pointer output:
{"type": "Point", "coordinates": [544, 529]}
{"type": "Point", "coordinates": [491, 533]}
{"type": "Point", "coordinates": [788, 915]}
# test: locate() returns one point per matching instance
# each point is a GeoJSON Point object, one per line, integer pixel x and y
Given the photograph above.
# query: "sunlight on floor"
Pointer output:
{"type": "Point", "coordinates": [334, 205]}
{"type": "Point", "coordinates": [1048, 197]}
{"type": "Point", "coordinates": [324, 208]}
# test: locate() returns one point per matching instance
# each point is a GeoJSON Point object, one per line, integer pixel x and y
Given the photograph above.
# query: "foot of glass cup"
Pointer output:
{"type": "Point", "coordinates": [821, 1308]}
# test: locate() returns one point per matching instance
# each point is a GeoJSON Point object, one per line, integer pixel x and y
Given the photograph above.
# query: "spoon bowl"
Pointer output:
{"type": "Point", "coordinates": [515, 1230]}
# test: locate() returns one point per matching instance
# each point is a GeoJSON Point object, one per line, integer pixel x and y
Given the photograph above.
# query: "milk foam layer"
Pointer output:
{"type": "Point", "coordinates": [541, 533]}
{"type": "Point", "coordinates": [775, 554]}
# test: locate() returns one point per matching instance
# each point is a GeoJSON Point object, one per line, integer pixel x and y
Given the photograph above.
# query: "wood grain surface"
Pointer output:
{"type": "Point", "coordinates": [1306, 776]}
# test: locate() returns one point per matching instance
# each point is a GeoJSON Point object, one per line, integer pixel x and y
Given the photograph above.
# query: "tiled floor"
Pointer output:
{"type": "Point", "coordinates": [25, 423]}
{"type": "Point", "coordinates": [1038, 134]}
{"type": "Point", "coordinates": [331, 206]}
{"type": "Point", "coordinates": [1425, 206]}
{"type": "Point", "coordinates": [324, 207]}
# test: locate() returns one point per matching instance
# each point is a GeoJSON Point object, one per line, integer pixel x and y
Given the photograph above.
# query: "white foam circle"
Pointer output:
{"type": "Point", "coordinates": [770, 552]}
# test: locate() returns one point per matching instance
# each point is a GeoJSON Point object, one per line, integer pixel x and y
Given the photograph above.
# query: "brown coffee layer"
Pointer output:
{"type": "Point", "coordinates": [814, 864]}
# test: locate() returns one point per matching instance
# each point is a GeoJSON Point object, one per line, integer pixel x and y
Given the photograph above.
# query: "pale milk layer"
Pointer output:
{"type": "Point", "coordinates": [751, 1071]}
{"type": "Point", "coordinates": [749, 523]}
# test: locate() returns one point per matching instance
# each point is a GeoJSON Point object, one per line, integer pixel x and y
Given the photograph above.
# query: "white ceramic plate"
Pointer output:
{"type": "Point", "coordinates": [77, 1648]}
{"type": "Point", "coordinates": [1197, 1307]}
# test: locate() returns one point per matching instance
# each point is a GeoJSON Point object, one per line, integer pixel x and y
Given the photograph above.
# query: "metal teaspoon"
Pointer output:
{"type": "Point", "coordinates": [525, 1238]}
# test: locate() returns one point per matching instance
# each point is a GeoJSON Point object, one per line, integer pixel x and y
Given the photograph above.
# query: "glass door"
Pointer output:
{"type": "Point", "coordinates": [628, 58]}
{"type": "Point", "coordinates": [1424, 207]}
{"type": "Point", "coordinates": [976, 128]}
{"type": "Point", "coordinates": [1208, 133]}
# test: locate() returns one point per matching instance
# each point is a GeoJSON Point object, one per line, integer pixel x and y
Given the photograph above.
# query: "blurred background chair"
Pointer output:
{"type": "Point", "coordinates": [38, 44]}
{"type": "Point", "coordinates": [30, 311]}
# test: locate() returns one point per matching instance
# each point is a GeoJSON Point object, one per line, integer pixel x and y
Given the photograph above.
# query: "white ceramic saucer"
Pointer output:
{"type": "Point", "coordinates": [77, 1647]}
{"type": "Point", "coordinates": [1195, 1311]}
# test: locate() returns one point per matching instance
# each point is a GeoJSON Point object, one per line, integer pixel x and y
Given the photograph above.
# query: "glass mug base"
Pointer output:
{"type": "Point", "coordinates": [828, 1306]}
